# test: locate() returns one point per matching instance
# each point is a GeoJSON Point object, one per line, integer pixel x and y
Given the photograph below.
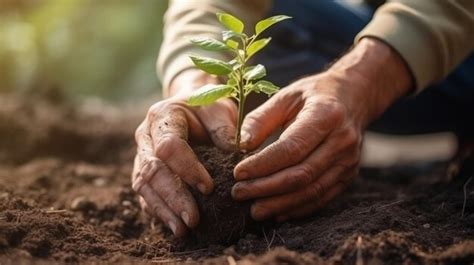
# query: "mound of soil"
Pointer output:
{"type": "Point", "coordinates": [65, 197]}
{"type": "Point", "coordinates": [223, 220]}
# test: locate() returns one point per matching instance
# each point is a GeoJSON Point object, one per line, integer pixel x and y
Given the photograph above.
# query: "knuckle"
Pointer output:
{"type": "Point", "coordinates": [302, 176]}
{"type": "Point", "coordinates": [315, 190]}
{"type": "Point", "coordinates": [294, 149]}
{"type": "Point", "coordinates": [166, 145]}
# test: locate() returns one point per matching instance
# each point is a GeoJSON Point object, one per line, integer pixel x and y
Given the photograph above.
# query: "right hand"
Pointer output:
{"type": "Point", "coordinates": [165, 163]}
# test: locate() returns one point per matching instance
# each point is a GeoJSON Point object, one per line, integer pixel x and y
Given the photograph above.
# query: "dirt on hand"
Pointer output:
{"type": "Point", "coordinates": [65, 197]}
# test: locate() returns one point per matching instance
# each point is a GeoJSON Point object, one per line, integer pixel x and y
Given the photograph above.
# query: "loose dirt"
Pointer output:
{"type": "Point", "coordinates": [65, 197]}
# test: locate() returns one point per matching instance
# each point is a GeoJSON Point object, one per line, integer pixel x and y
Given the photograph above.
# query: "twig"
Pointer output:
{"type": "Point", "coordinates": [383, 206]}
{"type": "Point", "coordinates": [55, 211]}
{"type": "Point", "coordinates": [164, 260]}
{"type": "Point", "coordinates": [265, 236]}
{"type": "Point", "coordinates": [465, 196]}
{"type": "Point", "coordinates": [231, 260]}
{"type": "Point", "coordinates": [281, 238]}
{"type": "Point", "coordinates": [188, 251]}
{"type": "Point", "coordinates": [360, 259]}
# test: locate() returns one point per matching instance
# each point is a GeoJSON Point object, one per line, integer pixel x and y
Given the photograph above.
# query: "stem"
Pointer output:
{"type": "Point", "coordinates": [242, 94]}
{"type": "Point", "coordinates": [240, 118]}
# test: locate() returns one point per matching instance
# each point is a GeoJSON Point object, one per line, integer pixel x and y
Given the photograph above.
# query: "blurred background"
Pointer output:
{"type": "Point", "coordinates": [103, 53]}
{"type": "Point", "coordinates": [105, 49]}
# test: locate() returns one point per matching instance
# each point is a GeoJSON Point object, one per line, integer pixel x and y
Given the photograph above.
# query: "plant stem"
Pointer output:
{"type": "Point", "coordinates": [240, 117]}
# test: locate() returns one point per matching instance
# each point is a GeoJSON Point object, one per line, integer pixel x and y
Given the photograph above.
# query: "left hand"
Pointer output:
{"type": "Point", "coordinates": [323, 118]}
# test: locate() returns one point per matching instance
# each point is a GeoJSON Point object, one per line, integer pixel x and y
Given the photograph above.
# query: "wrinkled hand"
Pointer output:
{"type": "Point", "coordinates": [315, 157]}
{"type": "Point", "coordinates": [165, 164]}
{"type": "Point", "coordinates": [318, 153]}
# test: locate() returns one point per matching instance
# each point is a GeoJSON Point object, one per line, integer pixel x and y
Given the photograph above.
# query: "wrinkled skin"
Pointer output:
{"type": "Point", "coordinates": [323, 118]}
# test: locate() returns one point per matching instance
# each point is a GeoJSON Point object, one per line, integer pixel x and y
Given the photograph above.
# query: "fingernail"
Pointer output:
{"type": "Point", "coordinates": [202, 188]}
{"type": "Point", "coordinates": [137, 184]}
{"type": "Point", "coordinates": [241, 175]}
{"type": "Point", "coordinates": [245, 137]}
{"type": "Point", "coordinates": [233, 191]}
{"type": "Point", "coordinates": [172, 226]}
{"type": "Point", "coordinates": [185, 217]}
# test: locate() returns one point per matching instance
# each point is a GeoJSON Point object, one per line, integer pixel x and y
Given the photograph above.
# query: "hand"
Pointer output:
{"type": "Point", "coordinates": [323, 117]}
{"type": "Point", "coordinates": [165, 163]}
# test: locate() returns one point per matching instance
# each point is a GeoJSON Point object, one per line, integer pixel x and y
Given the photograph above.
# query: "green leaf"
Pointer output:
{"type": "Point", "coordinates": [257, 46]}
{"type": "Point", "coordinates": [231, 22]}
{"type": "Point", "coordinates": [212, 66]}
{"type": "Point", "coordinates": [208, 94]}
{"type": "Point", "coordinates": [266, 23]}
{"type": "Point", "coordinates": [228, 34]}
{"type": "Point", "coordinates": [266, 87]}
{"type": "Point", "coordinates": [232, 44]}
{"type": "Point", "coordinates": [209, 44]}
{"type": "Point", "coordinates": [255, 72]}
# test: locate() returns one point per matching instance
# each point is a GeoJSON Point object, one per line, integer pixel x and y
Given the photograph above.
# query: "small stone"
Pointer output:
{"type": "Point", "coordinates": [126, 203]}
{"type": "Point", "coordinates": [81, 203]}
{"type": "Point", "coordinates": [100, 182]}
{"type": "Point", "coordinates": [426, 226]}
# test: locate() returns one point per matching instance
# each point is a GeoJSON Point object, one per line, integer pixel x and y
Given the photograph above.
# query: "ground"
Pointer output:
{"type": "Point", "coordinates": [65, 196]}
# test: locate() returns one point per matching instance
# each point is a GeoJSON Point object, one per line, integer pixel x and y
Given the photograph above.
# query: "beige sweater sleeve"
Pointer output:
{"type": "Point", "coordinates": [186, 19]}
{"type": "Point", "coordinates": [432, 36]}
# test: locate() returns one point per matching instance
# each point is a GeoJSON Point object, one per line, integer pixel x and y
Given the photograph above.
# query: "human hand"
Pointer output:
{"type": "Point", "coordinates": [323, 118]}
{"type": "Point", "coordinates": [165, 164]}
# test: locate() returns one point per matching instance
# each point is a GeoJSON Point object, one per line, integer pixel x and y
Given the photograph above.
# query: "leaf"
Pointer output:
{"type": "Point", "coordinates": [266, 87]}
{"type": "Point", "coordinates": [232, 44]}
{"type": "Point", "coordinates": [231, 22]}
{"type": "Point", "coordinates": [257, 46]}
{"type": "Point", "coordinates": [209, 44]}
{"type": "Point", "coordinates": [255, 72]}
{"type": "Point", "coordinates": [228, 34]}
{"type": "Point", "coordinates": [208, 94]}
{"type": "Point", "coordinates": [212, 66]}
{"type": "Point", "coordinates": [266, 23]}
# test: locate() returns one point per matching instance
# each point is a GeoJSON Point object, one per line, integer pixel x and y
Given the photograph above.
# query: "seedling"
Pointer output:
{"type": "Point", "coordinates": [242, 79]}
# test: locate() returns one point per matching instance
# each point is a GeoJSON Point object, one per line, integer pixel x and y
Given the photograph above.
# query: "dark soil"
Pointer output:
{"type": "Point", "coordinates": [65, 196]}
{"type": "Point", "coordinates": [223, 220]}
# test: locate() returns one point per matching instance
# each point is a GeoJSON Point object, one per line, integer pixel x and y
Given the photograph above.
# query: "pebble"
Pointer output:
{"type": "Point", "coordinates": [126, 203]}
{"type": "Point", "coordinates": [81, 203]}
{"type": "Point", "coordinates": [427, 226]}
{"type": "Point", "coordinates": [100, 182]}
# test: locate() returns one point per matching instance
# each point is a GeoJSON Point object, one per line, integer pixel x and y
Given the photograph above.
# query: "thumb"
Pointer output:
{"type": "Point", "coordinates": [260, 123]}
{"type": "Point", "coordinates": [219, 120]}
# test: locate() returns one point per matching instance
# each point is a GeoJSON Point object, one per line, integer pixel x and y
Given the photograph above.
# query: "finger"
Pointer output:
{"type": "Point", "coordinates": [145, 163]}
{"type": "Point", "coordinates": [278, 205]}
{"type": "Point", "coordinates": [169, 137]}
{"type": "Point", "coordinates": [264, 120]}
{"type": "Point", "coordinates": [162, 211]}
{"type": "Point", "coordinates": [176, 195]}
{"type": "Point", "coordinates": [292, 178]}
{"type": "Point", "coordinates": [306, 133]}
{"type": "Point", "coordinates": [219, 120]}
{"type": "Point", "coordinates": [145, 206]}
{"type": "Point", "coordinates": [310, 208]}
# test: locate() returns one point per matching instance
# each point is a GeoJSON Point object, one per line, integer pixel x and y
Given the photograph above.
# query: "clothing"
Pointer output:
{"type": "Point", "coordinates": [432, 36]}
{"type": "Point", "coordinates": [304, 46]}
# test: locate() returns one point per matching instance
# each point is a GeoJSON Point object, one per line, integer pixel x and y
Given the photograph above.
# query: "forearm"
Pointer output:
{"type": "Point", "coordinates": [378, 77]}
{"type": "Point", "coordinates": [187, 19]}
{"type": "Point", "coordinates": [188, 81]}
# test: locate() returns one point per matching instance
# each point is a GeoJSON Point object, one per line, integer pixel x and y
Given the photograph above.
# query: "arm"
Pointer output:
{"type": "Point", "coordinates": [431, 36]}
{"type": "Point", "coordinates": [186, 19]}
{"type": "Point", "coordinates": [324, 116]}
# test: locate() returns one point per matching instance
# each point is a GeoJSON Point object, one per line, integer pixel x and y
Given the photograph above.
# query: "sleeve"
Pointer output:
{"type": "Point", "coordinates": [432, 36]}
{"type": "Point", "coordinates": [185, 19]}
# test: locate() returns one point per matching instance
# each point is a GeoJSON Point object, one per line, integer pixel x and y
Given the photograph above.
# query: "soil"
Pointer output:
{"type": "Point", "coordinates": [65, 197]}
{"type": "Point", "coordinates": [223, 220]}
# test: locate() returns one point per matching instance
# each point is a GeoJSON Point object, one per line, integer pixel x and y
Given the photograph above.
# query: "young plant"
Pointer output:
{"type": "Point", "coordinates": [242, 79]}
